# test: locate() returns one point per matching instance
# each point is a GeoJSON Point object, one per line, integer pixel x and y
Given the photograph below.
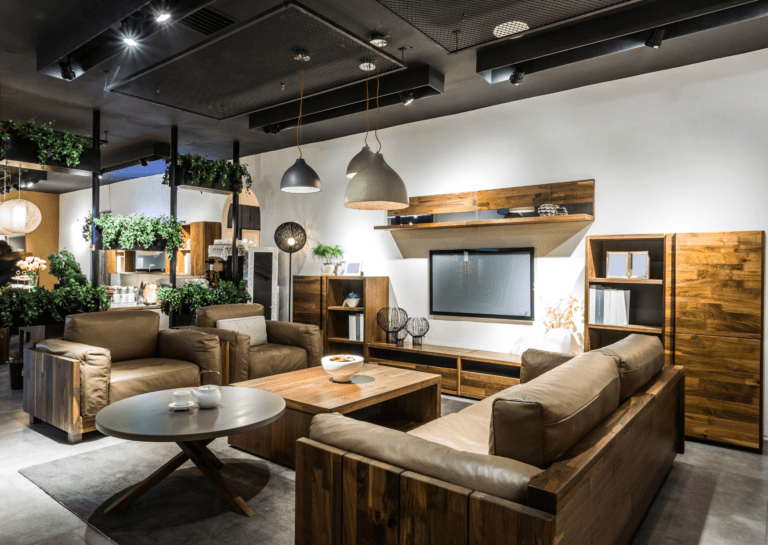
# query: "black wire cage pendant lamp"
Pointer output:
{"type": "Point", "coordinates": [300, 178]}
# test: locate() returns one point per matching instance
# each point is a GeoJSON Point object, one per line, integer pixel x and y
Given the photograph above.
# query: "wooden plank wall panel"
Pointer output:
{"type": "Point", "coordinates": [318, 493]}
{"type": "Point", "coordinates": [573, 192]}
{"type": "Point", "coordinates": [202, 233]}
{"type": "Point", "coordinates": [669, 299]}
{"type": "Point", "coordinates": [307, 300]}
{"type": "Point", "coordinates": [439, 204]}
{"type": "Point", "coordinates": [433, 511]}
{"type": "Point", "coordinates": [513, 197]}
{"type": "Point", "coordinates": [500, 522]}
{"type": "Point", "coordinates": [719, 283]}
{"type": "Point", "coordinates": [723, 388]}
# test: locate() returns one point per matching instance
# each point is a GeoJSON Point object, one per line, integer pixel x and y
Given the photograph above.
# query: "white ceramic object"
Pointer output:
{"type": "Point", "coordinates": [326, 269]}
{"type": "Point", "coordinates": [352, 303]}
{"type": "Point", "coordinates": [342, 371]}
{"type": "Point", "coordinates": [557, 340]}
{"type": "Point", "coordinates": [207, 396]}
{"type": "Point", "coordinates": [182, 407]}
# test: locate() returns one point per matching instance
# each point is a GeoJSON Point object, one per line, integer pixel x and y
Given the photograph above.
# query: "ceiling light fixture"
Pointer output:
{"type": "Point", "coordinates": [376, 186]}
{"type": "Point", "coordinates": [130, 41]}
{"type": "Point", "coordinates": [19, 215]}
{"type": "Point", "coordinates": [67, 73]}
{"type": "Point", "coordinates": [516, 78]}
{"type": "Point", "coordinates": [367, 66]}
{"type": "Point", "coordinates": [656, 39]}
{"type": "Point", "coordinates": [163, 17]}
{"type": "Point", "coordinates": [364, 156]}
{"type": "Point", "coordinates": [379, 41]}
{"type": "Point", "coordinates": [300, 178]}
{"type": "Point", "coordinates": [509, 28]}
{"type": "Point", "coordinates": [143, 162]}
{"type": "Point", "coordinates": [5, 232]}
{"type": "Point", "coordinates": [407, 98]}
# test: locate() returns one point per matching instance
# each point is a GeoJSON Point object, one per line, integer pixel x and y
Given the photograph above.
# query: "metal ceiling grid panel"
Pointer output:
{"type": "Point", "coordinates": [461, 24]}
{"type": "Point", "coordinates": [245, 67]}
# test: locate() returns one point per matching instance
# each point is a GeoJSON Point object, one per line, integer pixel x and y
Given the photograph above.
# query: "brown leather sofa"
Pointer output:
{"type": "Point", "coordinates": [289, 346]}
{"type": "Point", "coordinates": [574, 454]}
{"type": "Point", "coordinates": [104, 357]}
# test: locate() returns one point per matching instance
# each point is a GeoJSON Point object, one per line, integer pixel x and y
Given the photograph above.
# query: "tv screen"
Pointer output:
{"type": "Point", "coordinates": [487, 283]}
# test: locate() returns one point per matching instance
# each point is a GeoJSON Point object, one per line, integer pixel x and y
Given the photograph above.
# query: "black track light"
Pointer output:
{"type": "Point", "coordinates": [143, 162]}
{"type": "Point", "coordinates": [516, 78]}
{"type": "Point", "coordinates": [407, 98]}
{"type": "Point", "coordinates": [67, 72]}
{"type": "Point", "coordinates": [656, 39]}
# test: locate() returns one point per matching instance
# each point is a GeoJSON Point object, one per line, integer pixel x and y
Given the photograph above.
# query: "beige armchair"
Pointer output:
{"type": "Point", "coordinates": [108, 356]}
{"type": "Point", "coordinates": [289, 346]}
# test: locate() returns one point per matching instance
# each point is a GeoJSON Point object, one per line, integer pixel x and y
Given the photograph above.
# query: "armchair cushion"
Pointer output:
{"type": "Point", "coordinates": [535, 363]}
{"type": "Point", "coordinates": [95, 371]}
{"type": "Point", "coordinates": [252, 326]}
{"type": "Point", "coordinates": [134, 377]}
{"type": "Point", "coordinates": [303, 336]}
{"type": "Point", "coordinates": [193, 346]}
{"type": "Point", "coordinates": [128, 335]}
{"type": "Point", "coordinates": [639, 358]}
{"type": "Point", "coordinates": [208, 316]}
{"type": "Point", "coordinates": [273, 359]}
{"type": "Point", "coordinates": [500, 477]}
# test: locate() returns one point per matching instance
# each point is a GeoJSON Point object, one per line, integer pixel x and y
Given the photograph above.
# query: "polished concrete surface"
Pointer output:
{"type": "Point", "coordinates": [712, 496]}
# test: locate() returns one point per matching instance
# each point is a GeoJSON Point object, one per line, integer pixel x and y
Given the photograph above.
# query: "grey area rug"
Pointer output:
{"type": "Point", "coordinates": [184, 507]}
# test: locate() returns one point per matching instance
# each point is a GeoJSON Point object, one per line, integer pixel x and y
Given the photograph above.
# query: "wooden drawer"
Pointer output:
{"type": "Point", "coordinates": [450, 377]}
{"type": "Point", "coordinates": [482, 385]}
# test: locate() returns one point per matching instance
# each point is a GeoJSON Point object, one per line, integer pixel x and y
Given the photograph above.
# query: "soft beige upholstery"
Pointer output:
{"type": "Point", "coordinates": [639, 358]}
{"type": "Point", "coordinates": [208, 316]}
{"type": "Point", "coordinates": [239, 350]}
{"type": "Point", "coordinates": [95, 371]}
{"type": "Point", "coordinates": [535, 363]}
{"type": "Point", "coordinates": [501, 477]}
{"type": "Point", "coordinates": [538, 422]}
{"type": "Point", "coordinates": [195, 346]}
{"type": "Point", "coordinates": [459, 431]}
{"type": "Point", "coordinates": [273, 359]}
{"type": "Point", "coordinates": [134, 377]}
{"type": "Point", "coordinates": [304, 336]}
{"type": "Point", "coordinates": [128, 334]}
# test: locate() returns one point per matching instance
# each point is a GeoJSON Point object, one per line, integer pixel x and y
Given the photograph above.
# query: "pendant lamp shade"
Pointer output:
{"type": "Point", "coordinates": [19, 216]}
{"type": "Point", "coordinates": [359, 161]}
{"type": "Point", "coordinates": [5, 233]}
{"type": "Point", "coordinates": [376, 187]}
{"type": "Point", "coordinates": [300, 178]}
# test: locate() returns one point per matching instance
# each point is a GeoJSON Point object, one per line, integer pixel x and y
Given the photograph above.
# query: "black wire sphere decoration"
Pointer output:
{"type": "Point", "coordinates": [417, 328]}
{"type": "Point", "coordinates": [392, 320]}
{"type": "Point", "coordinates": [290, 237]}
{"type": "Point", "coordinates": [400, 337]}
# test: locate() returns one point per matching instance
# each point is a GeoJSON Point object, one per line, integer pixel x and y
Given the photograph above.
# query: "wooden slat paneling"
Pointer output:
{"type": "Point", "coordinates": [514, 197]}
{"type": "Point", "coordinates": [318, 493]}
{"type": "Point", "coordinates": [307, 300]}
{"type": "Point", "coordinates": [482, 385]}
{"type": "Point", "coordinates": [433, 511]}
{"type": "Point", "coordinates": [439, 204]}
{"type": "Point", "coordinates": [573, 192]}
{"type": "Point", "coordinates": [496, 521]}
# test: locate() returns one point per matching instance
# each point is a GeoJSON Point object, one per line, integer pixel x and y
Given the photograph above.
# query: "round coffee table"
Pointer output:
{"type": "Point", "coordinates": [147, 417]}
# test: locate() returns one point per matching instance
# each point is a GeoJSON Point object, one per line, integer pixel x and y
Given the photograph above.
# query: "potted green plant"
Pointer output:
{"type": "Point", "coordinates": [185, 299]}
{"type": "Point", "coordinates": [212, 174]}
{"type": "Point", "coordinates": [29, 143]}
{"type": "Point", "coordinates": [327, 255]}
{"type": "Point", "coordinates": [352, 300]}
{"type": "Point", "coordinates": [137, 232]}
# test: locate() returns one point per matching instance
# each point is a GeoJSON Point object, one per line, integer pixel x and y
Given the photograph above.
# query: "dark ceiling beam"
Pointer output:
{"type": "Point", "coordinates": [132, 155]}
{"type": "Point", "coordinates": [423, 81]}
{"type": "Point", "coordinates": [494, 62]}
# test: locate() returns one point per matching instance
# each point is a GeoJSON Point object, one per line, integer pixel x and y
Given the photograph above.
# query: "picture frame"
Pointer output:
{"type": "Point", "coordinates": [262, 275]}
{"type": "Point", "coordinates": [639, 264]}
{"type": "Point", "coordinates": [617, 264]}
{"type": "Point", "coordinates": [353, 268]}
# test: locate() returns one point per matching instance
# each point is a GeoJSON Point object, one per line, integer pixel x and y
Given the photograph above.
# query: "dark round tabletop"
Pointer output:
{"type": "Point", "coordinates": [147, 417]}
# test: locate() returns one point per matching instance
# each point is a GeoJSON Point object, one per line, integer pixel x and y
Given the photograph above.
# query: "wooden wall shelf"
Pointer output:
{"type": "Point", "coordinates": [539, 220]}
{"type": "Point", "coordinates": [639, 281]}
{"type": "Point", "coordinates": [631, 328]}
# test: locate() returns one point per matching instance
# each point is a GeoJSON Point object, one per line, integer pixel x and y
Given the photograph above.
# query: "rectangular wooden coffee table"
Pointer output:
{"type": "Point", "coordinates": [406, 399]}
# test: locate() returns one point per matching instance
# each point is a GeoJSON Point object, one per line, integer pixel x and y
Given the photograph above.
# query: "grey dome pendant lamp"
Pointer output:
{"type": "Point", "coordinates": [376, 186]}
{"type": "Point", "coordinates": [365, 155]}
{"type": "Point", "coordinates": [300, 178]}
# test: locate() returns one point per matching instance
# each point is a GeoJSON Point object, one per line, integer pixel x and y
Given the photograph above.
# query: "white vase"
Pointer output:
{"type": "Point", "coordinates": [326, 269]}
{"type": "Point", "coordinates": [557, 340]}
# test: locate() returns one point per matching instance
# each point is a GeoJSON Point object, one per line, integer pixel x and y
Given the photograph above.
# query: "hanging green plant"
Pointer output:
{"type": "Point", "coordinates": [136, 231]}
{"type": "Point", "coordinates": [204, 171]}
{"type": "Point", "coordinates": [51, 145]}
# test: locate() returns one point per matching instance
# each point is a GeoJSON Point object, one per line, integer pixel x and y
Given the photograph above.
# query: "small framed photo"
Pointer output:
{"type": "Point", "coordinates": [354, 268]}
{"type": "Point", "coordinates": [617, 264]}
{"type": "Point", "coordinates": [639, 265]}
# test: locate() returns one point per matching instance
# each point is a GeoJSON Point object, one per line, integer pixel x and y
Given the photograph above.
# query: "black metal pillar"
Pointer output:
{"type": "Point", "coordinates": [235, 217]}
{"type": "Point", "coordinates": [97, 244]}
{"type": "Point", "coordinates": [174, 193]}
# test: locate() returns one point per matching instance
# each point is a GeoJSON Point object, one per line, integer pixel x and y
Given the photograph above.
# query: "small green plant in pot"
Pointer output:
{"type": "Point", "coordinates": [327, 255]}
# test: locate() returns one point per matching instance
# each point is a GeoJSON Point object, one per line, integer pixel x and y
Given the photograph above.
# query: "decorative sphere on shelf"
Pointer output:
{"type": "Point", "coordinates": [417, 328]}
{"type": "Point", "coordinates": [392, 320]}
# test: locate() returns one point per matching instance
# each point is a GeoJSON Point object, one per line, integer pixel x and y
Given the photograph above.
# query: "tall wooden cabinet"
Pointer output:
{"type": "Point", "coordinates": [719, 334]}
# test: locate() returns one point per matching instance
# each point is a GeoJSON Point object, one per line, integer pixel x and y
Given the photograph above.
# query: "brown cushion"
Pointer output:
{"type": "Point", "coordinates": [273, 359]}
{"type": "Point", "coordinates": [500, 477]}
{"type": "Point", "coordinates": [535, 363]}
{"type": "Point", "coordinates": [201, 348]}
{"type": "Point", "coordinates": [538, 422]}
{"type": "Point", "coordinates": [208, 316]}
{"type": "Point", "coordinates": [95, 371]}
{"type": "Point", "coordinates": [134, 377]}
{"type": "Point", "coordinates": [128, 334]}
{"type": "Point", "coordinates": [639, 358]}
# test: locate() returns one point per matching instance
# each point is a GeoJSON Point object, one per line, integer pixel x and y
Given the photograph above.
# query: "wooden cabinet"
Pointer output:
{"type": "Point", "coordinates": [719, 334]}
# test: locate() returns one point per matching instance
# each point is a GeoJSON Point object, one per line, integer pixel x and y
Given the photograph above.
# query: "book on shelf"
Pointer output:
{"type": "Point", "coordinates": [356, 327]}
{"type": "Point", "coordinates": [352, 327]}
{"type": "Point", "coordinates": [608, 306]}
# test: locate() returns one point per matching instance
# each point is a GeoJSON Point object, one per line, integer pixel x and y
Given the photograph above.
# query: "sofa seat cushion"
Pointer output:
{"type": "Point", "coordinates": [459, 431]}
{"type": "Point", "coordinates": [127, 334]}
{"type": "Point", "coordinates": [134, 377]}
{"type": "Point", "coordinates": [272, 359]}
{"type": "Point", "coordinates": [639, 358]}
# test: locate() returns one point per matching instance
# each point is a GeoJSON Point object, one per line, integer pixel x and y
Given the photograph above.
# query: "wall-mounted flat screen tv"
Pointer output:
{"type": "Point", "coordinates": [484, 283]}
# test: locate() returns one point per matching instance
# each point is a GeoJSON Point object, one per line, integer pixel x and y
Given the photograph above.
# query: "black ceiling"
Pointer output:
{"type": "Point", "coordinates": [131, 122]}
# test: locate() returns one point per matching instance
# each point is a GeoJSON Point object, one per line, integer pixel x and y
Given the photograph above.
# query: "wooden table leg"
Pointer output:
{"type": "Point", "coordinates": [145, 485]}
{"type": "Point", "coordinates": [202, 458]}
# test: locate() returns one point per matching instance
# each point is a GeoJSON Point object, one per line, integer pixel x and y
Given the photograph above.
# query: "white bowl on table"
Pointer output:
{"type": "Point", "coordinates": [342, 371]}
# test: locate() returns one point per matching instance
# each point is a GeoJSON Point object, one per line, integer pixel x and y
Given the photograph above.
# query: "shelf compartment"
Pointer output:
{"type": "Point", "coordinates": [632, 328]}
{"type": "Point", "coordinates": [347, 309]}
{"type": "Point", "coordinates": [645, 281]}
{"type": "Point", "coordinates": [342, 340]}
{"type": "Point", "coordinates": [482, 385]}
{"type": "Point", "coordinates": [449, 377]}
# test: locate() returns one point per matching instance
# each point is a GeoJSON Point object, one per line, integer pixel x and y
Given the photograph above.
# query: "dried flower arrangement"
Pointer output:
{"type": "Point", "coordinates": [563, 314]}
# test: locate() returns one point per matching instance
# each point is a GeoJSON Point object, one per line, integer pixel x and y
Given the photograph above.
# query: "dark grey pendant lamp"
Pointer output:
{"type": "Point", "coordinates": [376, 186]}
{"type": "Point", "coordinates": [300, 178]}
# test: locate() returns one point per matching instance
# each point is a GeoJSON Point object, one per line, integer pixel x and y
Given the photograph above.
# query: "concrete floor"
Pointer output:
{"type": "Point", "coordinates": [712, 496]}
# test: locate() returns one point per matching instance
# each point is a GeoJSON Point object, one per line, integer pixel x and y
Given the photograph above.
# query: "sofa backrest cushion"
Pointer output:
{"type": "Point", "coordinates": [127, 334]}
{"type": "Point", "coordinates": [537, 422]}
{"type": "Point", "coordinates": [639, 358]}
{"type": "Point", "coordinates": [253, 326]}
{"type": "Point", "coordinates": [208, 316]}
{"type": "Point", "coordinates": [535, 363]}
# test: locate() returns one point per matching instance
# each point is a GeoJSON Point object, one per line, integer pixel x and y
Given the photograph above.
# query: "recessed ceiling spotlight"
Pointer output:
{"type": "Point", "coordinates": [516, 78]}
{"type": "Point", "coordinates": [379, 41]}
{"type": "Point", "coordinates": [163, 17]}
{"type": "Point", "coordinates": [656, 39]}
{"type": "Point", "coordinates": [367, 66]}
{"type": "Point", "coordinates": [509, 28]}
{"type": "Point", "coordinates": [130, 41]}
{"type": "Point", "coordinates": [407, 98]}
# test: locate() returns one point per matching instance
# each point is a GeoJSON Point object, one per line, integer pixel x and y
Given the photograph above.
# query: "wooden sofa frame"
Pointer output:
{"type": "Point", "coordinates": [597, 493]}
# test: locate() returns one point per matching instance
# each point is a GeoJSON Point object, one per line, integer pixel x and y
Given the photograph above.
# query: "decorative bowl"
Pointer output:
{"type": "Point", "coordinates": [352, 303]}
{"type": "Point", "coordinates": [342, 371]}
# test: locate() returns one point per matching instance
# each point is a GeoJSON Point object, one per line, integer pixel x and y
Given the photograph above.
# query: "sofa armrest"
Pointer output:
{"type": "Point", "coordinates": [239, 350]}
{"type": "Point", "coordinates": [189, 345]}
{"type": "Point", "coordinates": [95, 371]}
{"type": "Point", "coordinates": [501, 477]}
{"type": "Point", "coordinates": [303, 336]}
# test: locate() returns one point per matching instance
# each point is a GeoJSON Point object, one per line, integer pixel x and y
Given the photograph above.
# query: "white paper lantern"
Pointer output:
{"type": "Point", "coordinates": [19, 216]}
{"type": "Point", "coordinates": [5, 233]}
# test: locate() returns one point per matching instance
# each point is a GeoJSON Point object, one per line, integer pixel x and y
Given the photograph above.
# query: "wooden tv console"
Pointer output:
{"type": "Point", "coordinates": [465, 372]}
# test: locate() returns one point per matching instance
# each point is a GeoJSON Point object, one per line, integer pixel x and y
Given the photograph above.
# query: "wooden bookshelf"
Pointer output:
{"type": "Point", "coordinates": [539, 220]}
{"type": "Point", "coordinates": [651, 299]}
